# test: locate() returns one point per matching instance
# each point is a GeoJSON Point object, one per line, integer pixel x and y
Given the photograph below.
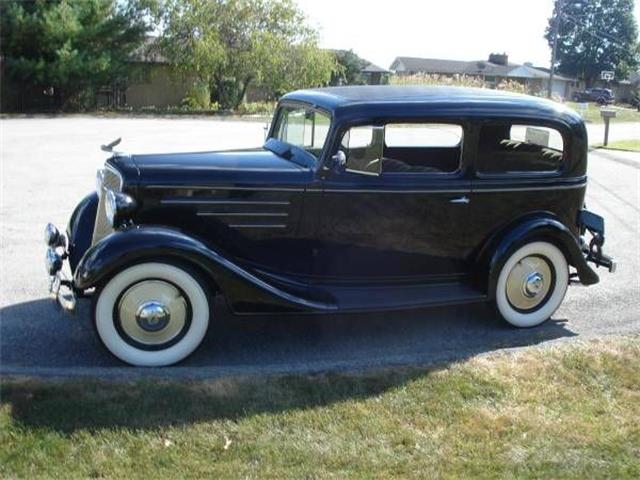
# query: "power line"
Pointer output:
{"type": "Point", "coordinates": [603, 36]}
{"type": "Point", "coordinates": [578, 21]}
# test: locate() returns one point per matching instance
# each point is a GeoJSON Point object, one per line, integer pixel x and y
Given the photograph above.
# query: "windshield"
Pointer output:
{"type": "Point", "coordinates": [303, 127]}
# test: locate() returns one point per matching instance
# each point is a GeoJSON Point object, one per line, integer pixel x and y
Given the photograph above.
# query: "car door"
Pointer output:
{"type": "Point", "coordinates": [398, 210]}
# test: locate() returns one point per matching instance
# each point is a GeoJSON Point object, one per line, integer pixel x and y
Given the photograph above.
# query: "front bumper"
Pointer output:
{"type": "Point", "coordinates": [592, 250]}
{"type": "Point", "coordinates": [60, 286]}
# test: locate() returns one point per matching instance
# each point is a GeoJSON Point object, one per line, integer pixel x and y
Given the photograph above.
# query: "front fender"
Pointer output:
{"type": "Point", "coordinates": [80, 228]}
{"type": "Point", "coordinates": [543, 227]}
{"type": "Point", "coordinates": [244, 291]}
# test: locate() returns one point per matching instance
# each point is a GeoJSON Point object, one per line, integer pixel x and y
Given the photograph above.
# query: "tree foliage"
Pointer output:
{"type": "Point", "coordinates": [595, 35]}
{"type": "Point", "coordinates": [349, 71]}
{"type": "Point", "coordinates": [232, 44]}
{"type": "Point", "coordinates": [69, 46]}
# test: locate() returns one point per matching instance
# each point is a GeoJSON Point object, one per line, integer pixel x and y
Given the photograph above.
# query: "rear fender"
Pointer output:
{"type": "Point", "coordinates": [540, 227]}
{"type": "Point", "coordinates": [244, 291]}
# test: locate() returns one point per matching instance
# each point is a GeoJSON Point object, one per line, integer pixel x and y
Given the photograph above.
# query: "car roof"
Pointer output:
{"type": "Point", "coordinates": [438, 101]}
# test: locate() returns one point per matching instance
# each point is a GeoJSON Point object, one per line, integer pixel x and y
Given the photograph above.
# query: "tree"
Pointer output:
{"type": "Point", "coordinates": [232, 44]}
{"type": "Point", "coordinates": [71, 47]}
{"type": "Point", "coordinates": [594, 35]}
{"type": "Point", "coordinates": [350, 69]}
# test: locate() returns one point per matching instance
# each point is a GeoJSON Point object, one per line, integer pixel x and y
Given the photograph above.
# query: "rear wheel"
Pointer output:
{"type": "Point", "coordinates": [532, 284]}
{"type": "Point", "coordinates": [152, 314]}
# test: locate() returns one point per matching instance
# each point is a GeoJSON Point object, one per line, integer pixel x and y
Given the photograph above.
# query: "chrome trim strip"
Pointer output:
{"type": "Point", "coordinates": [258, 225]}
{"type": "Point", "coordinates": [214, 188]}
{"type": "Point", "coordinates": [241, 214]}
{"type": "Point", "coordinates": [532, 188]}
{"type": "Point", "coordinates": [337, 190]}
{"type": "Point", "coordinates": [189, 201]}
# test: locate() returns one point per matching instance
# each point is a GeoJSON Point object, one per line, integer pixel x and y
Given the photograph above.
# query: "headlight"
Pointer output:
{"type": "Point", "coordinates": [118, 207]}
{"type": "Point", "coordinates": [53, 261]}
{"type": "Point", "coordinates": [52, 236]}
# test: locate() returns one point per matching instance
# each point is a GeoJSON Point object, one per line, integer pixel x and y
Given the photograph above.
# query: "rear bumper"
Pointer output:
{"type": "Point", "coordinates": [592, 249]}
{"type": "Point", "coordinates": [60, 286]}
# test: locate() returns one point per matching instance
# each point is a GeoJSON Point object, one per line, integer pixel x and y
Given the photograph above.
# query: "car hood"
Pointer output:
{"type": "Point", "coordinates": [210, 168]}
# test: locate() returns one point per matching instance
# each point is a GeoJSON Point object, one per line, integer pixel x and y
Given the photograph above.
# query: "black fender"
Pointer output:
{"type": "Point", "coordinates": [80, 228]}
{"type": "Point", "coordinates": [244, 290]}
{"type": "Point", "coordinates": [543, 226]}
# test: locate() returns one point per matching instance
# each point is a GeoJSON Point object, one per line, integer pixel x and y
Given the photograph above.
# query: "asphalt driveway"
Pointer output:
{"type": "Point", "coordinates": [49, 164]}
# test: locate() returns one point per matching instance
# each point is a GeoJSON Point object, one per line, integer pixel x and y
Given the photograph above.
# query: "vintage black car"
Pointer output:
{"type": "Point", "coordinates": [362, 198]}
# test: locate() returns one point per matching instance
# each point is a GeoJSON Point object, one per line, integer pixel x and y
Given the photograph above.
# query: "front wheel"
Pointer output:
{"type": "Point", "coordinates": [152, 314]}
{"type": "Point", "coordinates": [532, 284]}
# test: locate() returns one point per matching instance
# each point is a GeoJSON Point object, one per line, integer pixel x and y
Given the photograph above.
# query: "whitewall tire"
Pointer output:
{"type": "Point", "coordinates": [152, 314]}
{"type": "Point", "coordinates": [532, 284]}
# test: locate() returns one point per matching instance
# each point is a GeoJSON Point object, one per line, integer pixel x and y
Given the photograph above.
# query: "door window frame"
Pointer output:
{"type": "Point", "coordinates": [464, 164]}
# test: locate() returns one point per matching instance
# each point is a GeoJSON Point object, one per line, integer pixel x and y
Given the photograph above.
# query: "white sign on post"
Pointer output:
{"type": "Point", "coordinates": [607, 75]}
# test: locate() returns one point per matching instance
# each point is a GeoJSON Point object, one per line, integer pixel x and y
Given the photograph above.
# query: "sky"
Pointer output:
{"type": "Point", "coordinates": [380, 30]}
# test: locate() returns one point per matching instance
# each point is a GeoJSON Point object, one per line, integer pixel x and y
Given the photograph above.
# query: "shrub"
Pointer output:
{"type": "Point", "coordinates": [456, 81]}
{"type": "Point", "coordinates": [198, 97]}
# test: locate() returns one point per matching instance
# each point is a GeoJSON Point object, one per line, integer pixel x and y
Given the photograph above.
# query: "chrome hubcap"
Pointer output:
{"type": "Point", "coordinates": [153, 316]}
{"type": "Point", "coordinates": [533, 284]}
{"type": "Point", "coordinates": [152, 312]}
{"type": "Point", "coordinates": [529, 282]}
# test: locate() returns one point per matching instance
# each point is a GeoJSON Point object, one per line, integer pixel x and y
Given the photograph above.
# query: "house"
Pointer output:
{"type": "Point", "coordinates": [492, 71]}
{"type": "Point", "coordinates": [375, 75]}
{"type": "Point", "coordinates": [153, 81]}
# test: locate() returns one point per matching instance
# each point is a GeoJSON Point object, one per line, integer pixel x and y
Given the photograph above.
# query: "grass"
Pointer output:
{"type": "Point", "coordinates": [592, 114]}
{"type": "Point", "coordinates": [625, 145]}
{"type": "Point", "coordinates": [562, 412]}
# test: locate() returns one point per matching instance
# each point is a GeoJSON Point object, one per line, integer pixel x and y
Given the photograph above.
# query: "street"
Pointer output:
{"type": "Point", "coordinates": [49, 164]}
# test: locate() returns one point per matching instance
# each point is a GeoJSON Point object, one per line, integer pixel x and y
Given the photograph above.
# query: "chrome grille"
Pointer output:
{"type": "Point", "coordinates": [108, 179]}
{"type": "Point", "coordinates": [111, 179]}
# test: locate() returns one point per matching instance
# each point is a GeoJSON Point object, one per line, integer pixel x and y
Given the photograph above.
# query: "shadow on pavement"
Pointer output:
{"type": "Point", "coordinates": [36, 334]}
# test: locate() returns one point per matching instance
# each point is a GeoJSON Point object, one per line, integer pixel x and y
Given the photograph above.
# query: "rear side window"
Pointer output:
{"type": "Point", "coordinates": [519, 148]}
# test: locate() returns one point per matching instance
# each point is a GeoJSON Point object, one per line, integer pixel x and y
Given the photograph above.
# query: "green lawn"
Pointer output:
{"type": "Point", "coordinates": [592, 114]}
{"type": "Point", "coordinates": [562, 412]}
{"type": "Point", "coordinates": [626, 145]}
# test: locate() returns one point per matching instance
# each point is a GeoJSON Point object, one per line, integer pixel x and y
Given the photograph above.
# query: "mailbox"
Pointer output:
{"type": "Point", "coordinates": [607, 115]}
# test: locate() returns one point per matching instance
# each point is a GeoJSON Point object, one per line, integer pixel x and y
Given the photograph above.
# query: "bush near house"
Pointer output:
{"type": "Point", "coordinates": [455, 81]}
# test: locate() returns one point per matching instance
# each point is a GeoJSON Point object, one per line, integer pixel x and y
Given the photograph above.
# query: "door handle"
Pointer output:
{"type": "Point", "coordinates": [463, 199]}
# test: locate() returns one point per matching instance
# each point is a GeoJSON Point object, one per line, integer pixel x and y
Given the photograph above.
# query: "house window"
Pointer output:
{"type": "Point", "coordinates": [519, 148]}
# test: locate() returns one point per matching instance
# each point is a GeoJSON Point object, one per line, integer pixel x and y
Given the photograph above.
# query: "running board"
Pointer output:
{"type": "Point", "coordinates": [398, 297]}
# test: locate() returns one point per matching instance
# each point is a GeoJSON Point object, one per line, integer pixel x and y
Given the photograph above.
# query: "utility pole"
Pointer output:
{"type": "Point", "coordinates": [554, 49]}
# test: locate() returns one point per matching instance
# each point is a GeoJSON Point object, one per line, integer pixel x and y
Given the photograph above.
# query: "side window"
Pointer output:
{"type": "Point", "coordinates": [422, 148]}
{"type": "Point", "coordinates": [519, 148]}
{"type": "Point", "coordinates": [363, 147]}
{"type": "Point", "coordinates": [303, 128]}
{"type": "Point", "coordinates": [404, 148]}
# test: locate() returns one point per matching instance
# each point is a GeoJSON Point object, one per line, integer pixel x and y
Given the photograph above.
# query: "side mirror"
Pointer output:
{"type": "Point", "coordinates": [339, 161]}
